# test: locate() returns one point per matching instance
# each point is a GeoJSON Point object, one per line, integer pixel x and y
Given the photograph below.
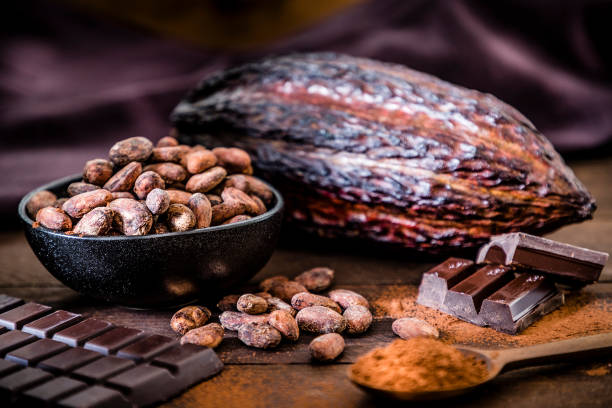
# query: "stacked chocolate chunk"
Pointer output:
{"type": "Point", "coordinates": [512, 283]}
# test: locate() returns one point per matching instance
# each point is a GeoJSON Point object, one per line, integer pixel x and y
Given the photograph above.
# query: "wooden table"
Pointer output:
{"type": "Point", "coordinates": [285, 377]}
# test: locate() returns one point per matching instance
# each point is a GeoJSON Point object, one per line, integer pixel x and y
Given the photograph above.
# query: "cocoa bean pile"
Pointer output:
{"type": "Point", "coordinates": [145, 189]}
{"type": "Point", "coordinates": [280, 311]}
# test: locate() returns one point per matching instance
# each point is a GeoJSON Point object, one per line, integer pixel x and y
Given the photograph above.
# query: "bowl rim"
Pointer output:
{"type": "Point", "coordinates": [21, 209]}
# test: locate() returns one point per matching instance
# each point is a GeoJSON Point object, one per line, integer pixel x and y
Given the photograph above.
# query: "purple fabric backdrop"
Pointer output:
{"type": "Point", "coordinates": [72, 84]}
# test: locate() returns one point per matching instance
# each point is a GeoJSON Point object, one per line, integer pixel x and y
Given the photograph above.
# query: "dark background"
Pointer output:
{"type": "Point", "coordinates": [76, 76]}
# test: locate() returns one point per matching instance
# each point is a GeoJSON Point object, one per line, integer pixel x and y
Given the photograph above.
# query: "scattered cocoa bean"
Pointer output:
{"type": "Point", "coordinates": [358, 319]}
{"type": "Point", "coordinates": [122, 194]}
{"type": "Point", "coordinates": [158, 201]}
{"type": "Point", "coordinates": [81, 204]}
{"type": "Point", "coordinates": [236, 219]}
{"type": "Point", "coordinates": [124, 179]}
{"type": "Point", "coordinates": [250, 185]}
{"type": "Point", "coordinates": [167, 141]}
{"type": "Point", "coordinates": [129, 150]}
{"type": "Point", "coordinates": [316, 279]}
{"type": "Point", "coordinates": [180, 218]}
{"type": "Point", "coordinates": [326, 347]}
{"type": "Point", "coordinates": [131, 216]}
{"type": "Point", "coordinates": [214, 199]}
{"type": "Point", "coordinates": [169, 153]}
{"type": "Point", "coordinates": [267, 283]}
{"type": "Point", "coordinates": [228, 303]}
{"type": "Point", "coordinates": [97, 171]}
{"type": "Point", "coordinates": [284, 322]}
{"type": "Point", "coordinates": [53, 218]}
{"type": "Point", "coordinates": [98, 221]}
{"type": "Point", "coordinates": [304, 299]}
{"type": "Point", "coordinates": [197, 161]}
{"type": "Point", "coordinates": [41, 199]}
{"type": "Point", "coordinates": [233, 159]}
{"type": "Point", "coordinates": [178, 196]}
{"type": "Point", "coordinates": [234, 320]}
{"type": "Point", "coordinates": [409, 327]}
{"type": "Point", "coordinates": [251, 304]}
{"type": "Point", "coordinates": [199, 204]}
{"type": "Point", "coordinates": [259, 335]}
{"type": "Point", "coordinates": [286, 290]}
{"type": "Point", "coordinates": [275, 303]}
{"type": "Point", "coordinates": [346, 298]}
{"type": "Point", "coordinates": [188, 318]}
{"type": "Point", "coordinates": [320, 319]}
{"type": "Point", "coordinates": [206, 181]}
{"type": "Point", "coordinates": [170, 172]}
{"type": "Point", "coordinates": [210, 335]}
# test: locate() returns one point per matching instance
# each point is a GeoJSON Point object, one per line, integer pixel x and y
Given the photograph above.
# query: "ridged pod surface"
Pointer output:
{"type": "Point", "coordinates": [367, 149]}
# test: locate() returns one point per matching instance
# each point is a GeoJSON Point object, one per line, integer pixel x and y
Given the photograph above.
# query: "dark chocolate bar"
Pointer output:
{"type": "Point", "coordinates": [90, 362]}
{"type": "Point", "coordinates": [567, 263]}
{"type": "Point", "coordinates": [436, 281]}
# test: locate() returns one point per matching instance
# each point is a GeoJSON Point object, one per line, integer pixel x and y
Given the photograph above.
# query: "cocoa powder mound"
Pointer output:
{"type": "Point", "coordinates": [584, 313]}
{"type": "Point", "coordinates": [419, 364]}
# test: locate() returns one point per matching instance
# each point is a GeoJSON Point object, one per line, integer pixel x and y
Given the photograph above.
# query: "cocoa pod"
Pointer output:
{"type": "Point", "coordinates": [267, 283]}
{"type": "Point", "coordinates": [326, 347]}
{"type": "Point", "coordinates": [97, 171]}
{"type": "Point", "coordinates": [275, 303]}
{"type": "Point", "coordinates": [197, 161]}
{"type": "Point", "coordinates": [158, 201]}
{"type": "Point", "coordinates": [320, 319]}
{"type": "Point", "coordinates": [251, 304]}
{"type": "Point", "coordinates": [178, 196]}
{"type": "Point", "coordinates": [81, 204]}
{"type": "Point", "coordinates": [346, 298]}
{"type": "Point", "coordinates": [304, 299]}
{"type": "Point", "coordinates": [214, 199]}
{"type": "Point", "coordinates": [131, 149]}
{"type": "Point", "coordinates": [53, 218]}
{"type": "Point", "coordinates": [122, 194]}
{"type": "Point", "coordinates": [131, 216]}
{"type": "Point", "coordinates": [358, 319]}
{"type": "Point", "coordinates": [234, 160]}
{"type": "Point", "coordinates": [379, 151]}
{"type": "Point", "coordinates": [206, 181]}
{"type": "Point", "coordinates": [124, 179]}
{"type": "Point", "coordinates": [316, 279]}
{"type": "Point", "coordinates": [98, 221]}
{"type": "Point", "coordinates": [210, 335]}
{"type": "Point", "coordinates": [169, 153]}
{"type": "Point", "coordinates": [234, 320]}
{"type": "Point", "coordinates": [228, 303]}
{"type": "Point", "coordinates": [236, 219]}
{"type": "Point", "coordinates": [188, 318]}
{"type": "Point", "coordinates": [259, 335]}
{"type": "Point", "coordinates": [250, 185]}
{"type": "Point", "coordinates": [40, 200]}
{"type": "Point", "coordinates": [146, 182]}
{"type": "Point", "coordinates": [284, 322]}
{"type": "Point", "coordinates": [286, 290]}
{"type": "Point", "coordinates": [180, 218]}
{"type": "Point", "coordinates": [170, 172]}
{"type": "Point", "coordinates": [199, 204]}
{"type": "Point", "coordinates": [409, 327]}
{"type": "Point", "coordinates": [167, 141]}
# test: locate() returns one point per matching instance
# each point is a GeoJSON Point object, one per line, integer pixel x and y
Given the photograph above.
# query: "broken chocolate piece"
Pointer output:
{"type": "Point", "coordinates": [573, 264]}
{"type": "Point", "coordinates": [436, 281]}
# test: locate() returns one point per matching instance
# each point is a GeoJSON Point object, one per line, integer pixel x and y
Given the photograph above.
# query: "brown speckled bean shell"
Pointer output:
{"type": "Point", "coordinates": [124, 179]}
{"type": "Point", "coordinates": [320, 319]}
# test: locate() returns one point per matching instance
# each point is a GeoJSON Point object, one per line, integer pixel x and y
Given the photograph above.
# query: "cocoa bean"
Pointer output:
{"type": "Point", "coordinates": [326, 347]}
{"type": "Point", "coordinates": [234, 320]}
{"type": "Point", "coordinates": [146, 182]}
{"type": "Point", "coordinates": [358, 319]}
{"type": "Point", "coordinates": [197, 148]}
{"type": "Point", "coordinates": [228, 303]}
{"type": "Point", "coordinates": [178, 196]}
{"type": "Point", "coordinates": [160, 227]}
{"type": "Point", "coordinates": [131, 216]}
{"type": "Point", "coordinates": [261, 207]}
{"type": "Point", "coordinates": [98, 221]}
{"type": "Point", "coordinates": [197, 161]}
{"type": "Point", "coordinates": [180, 218]}
{"type": "Point", "coordinates": [169, 153]}
{"type": "Point", "coordinates": [264, 295]}
{"type": "Point", "coordinates": [170, 172]}
{"type": "Point", "coordinates": [40, 200]}
{"type": "Point", "coordinates": [124, 179]}
{"type": "Point", "coordinates": [188, 318]}
{"type": "Point", "coordinates": [304, 299]}
{"type": "Point", "coordinates": [236, 219]}
{"type": "Point", "coordinates": [275, 303]}
{"type": "Point", "coordinates": [259, 335]}
{"type": "Point", "coordinates": [250, 185]}
{"type": "Point", "coordinates": [80, 187]}
{"type": "Point", "coordinates": [409, 327]}
{"type": "Point", "coordinates": [251, 304]}
{"type": "Point", "coordinates": [214, 199]}
{"type": "Point", "coordinates": [224, 211]}
{"type": "Point", "coordinates": [199, 204]}
{"type": "Point", "coordinates": [346, 298]}
{"type": "Point", "coordinates": [158, 201]}
{"type": "Point", "coordinates": [284, 322]}
{"type": "Point", "coordinates": [53, 218]}
{"type": "Point", "coordinates": [167, 141]}
{"type": "Point", "coordinates": [59, 202]}
{"type": "Point", "coordinates": [81, 204]}
{"type": "Point", "coordinates": [210, 335]}
{"type": "Point", "coordinates": [233, 195]}
{"type": "Point", "coordinates": [233, 159]}
{"type": "Point", "coordinates": [122, 194]}
{"type": "Point", "coordinates": [97, 171]}
{"type": "Point", "coordinates": [320, 319]}
{"type": "Point", "coordinates": [206, 181]}
{"type": "Point", "coordinates": [129, 150]}
{"type": "Point", "coordinates": [286, 290]}
{"type": "Point", "coordinates": [267, 283]}
{"type": "Point", "coordinates": [316, 279]}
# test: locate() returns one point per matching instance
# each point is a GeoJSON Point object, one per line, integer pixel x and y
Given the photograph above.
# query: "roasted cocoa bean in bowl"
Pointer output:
{"type": "Point", "coordinates": [159, 270]}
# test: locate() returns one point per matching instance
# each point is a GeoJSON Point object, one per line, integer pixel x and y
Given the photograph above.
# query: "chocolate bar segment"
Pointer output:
{"type": "Point", "coordinates": [465, 298]}
{"type": "Point", "coordinates": [567, 263]}
{"type": "Point", "coordinates": [14, 339]}
{"type": "Point", "coordinates": [15, 318]}
{"type": "Point", "coordinates": [31, 354]}
{"type": "Point", "coordinates": [47, 393]}
{"type": "Point", "coordinates": [145, 384]}
{"type": "Point", "coordinates": [81, 332]}
{"type": "Point", "coordinates": [519, 303]}
{"type": "Point", "coordinates": [436, 281]}
{"type": "Point", "coordinates": [8, 302]}
{"type": "Point", "coordinates": [147, 348]}
{"type": "Point", "coordinates": [113, 340]}
{"type": "Point", "coordinates": [56, 321]}
{"type": "Point", "coordinates": [22, 379]}
{"type": "Point", "coordinates": [69, 360]}
{"type": "Point", "coordinates": [96, 396]}
{"type": "Point", "coordinates": [103, 368]}
{"type": "Point", "coordinates": [190, 363]}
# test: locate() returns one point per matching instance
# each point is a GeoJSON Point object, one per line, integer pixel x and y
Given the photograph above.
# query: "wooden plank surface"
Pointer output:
{"type": "Point", "coordinates": [286, 377]}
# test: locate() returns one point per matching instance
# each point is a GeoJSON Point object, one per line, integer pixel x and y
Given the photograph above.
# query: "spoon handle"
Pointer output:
{"type": "Point", "coordinates": [557, 352]}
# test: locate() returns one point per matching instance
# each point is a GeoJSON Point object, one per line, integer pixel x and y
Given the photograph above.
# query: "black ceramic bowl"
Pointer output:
{"type": "Point", "coordinates": [159, 270]}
